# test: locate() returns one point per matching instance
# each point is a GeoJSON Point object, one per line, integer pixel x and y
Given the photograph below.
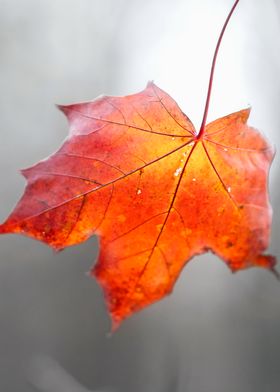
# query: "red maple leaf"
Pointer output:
{"type": "Point", "coordinates": [135, 172]}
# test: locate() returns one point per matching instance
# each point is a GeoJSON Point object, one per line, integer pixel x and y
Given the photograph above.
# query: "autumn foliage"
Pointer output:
{"type": "Point", "coordinates": [134, 172]}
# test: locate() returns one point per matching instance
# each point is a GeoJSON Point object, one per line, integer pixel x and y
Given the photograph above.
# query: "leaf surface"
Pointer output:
{"type": "Point", "coordinates": [135, 172]}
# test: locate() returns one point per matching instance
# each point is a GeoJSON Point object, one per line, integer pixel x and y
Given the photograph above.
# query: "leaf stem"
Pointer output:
{"type": "Point", "coordinates": [203, 123]}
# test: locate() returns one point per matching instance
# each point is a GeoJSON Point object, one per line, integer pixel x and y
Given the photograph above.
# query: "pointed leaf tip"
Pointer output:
{"type": "Point", "coordinates": [63, 108]}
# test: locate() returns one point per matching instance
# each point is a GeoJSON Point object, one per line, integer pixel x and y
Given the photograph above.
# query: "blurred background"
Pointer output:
{"type": "Point", "coordinates": [218, 331]}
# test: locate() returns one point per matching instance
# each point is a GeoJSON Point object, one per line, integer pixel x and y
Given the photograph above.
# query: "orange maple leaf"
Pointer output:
{"type": "Point", "coordinates": [135, 172]}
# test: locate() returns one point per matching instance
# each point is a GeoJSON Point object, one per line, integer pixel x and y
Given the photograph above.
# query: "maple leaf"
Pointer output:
{"type": "Point", "coordinates": [135, 172]}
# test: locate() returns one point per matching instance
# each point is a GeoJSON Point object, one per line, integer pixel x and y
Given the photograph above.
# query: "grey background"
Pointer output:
{"type": "Point", "coordinates": [218, 331]}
